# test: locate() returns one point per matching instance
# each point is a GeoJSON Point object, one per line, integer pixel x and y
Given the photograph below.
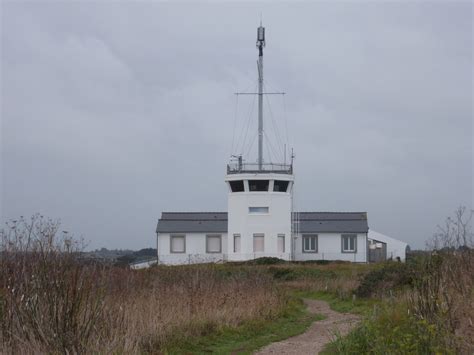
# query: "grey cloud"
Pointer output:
{"type": "Point", "coordinates": [114, 112]}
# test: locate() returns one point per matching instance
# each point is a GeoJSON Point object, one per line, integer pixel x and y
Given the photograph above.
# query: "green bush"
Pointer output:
{"type": "Point", "coordinates": [391, 276]}
{"type": "Point", "coordinates": [282, 273]}
{"type": "Point", "coordinates": [268, 261]}
{"type": "Point", "coordinates": [317, 262]}
{"type": "Point", "coordinates": [393, 331]}
{"type": "Point", "coordinates": [300, 273]}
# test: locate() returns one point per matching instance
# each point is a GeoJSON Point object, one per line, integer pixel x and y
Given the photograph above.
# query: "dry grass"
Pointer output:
{"type": "Point", "coordinates": [51, 302]}
{"type": "Point", "coordinates": [186, 302]}
{"type": "Point", "coordinates": [338, 278]}
{"type": "Point", "coordinates": [443, 295]}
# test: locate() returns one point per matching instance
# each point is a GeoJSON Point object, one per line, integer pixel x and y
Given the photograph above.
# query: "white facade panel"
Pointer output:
{"type": "Point", "coordinates": [329, 247]}
{"type": "Point", "coordinates": [196, 249]}
{"type": "Point", "coordinates": [266, 213]}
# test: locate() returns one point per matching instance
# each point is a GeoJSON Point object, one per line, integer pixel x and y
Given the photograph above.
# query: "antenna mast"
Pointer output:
{"type": "Point", "coordinates": [260, 45]}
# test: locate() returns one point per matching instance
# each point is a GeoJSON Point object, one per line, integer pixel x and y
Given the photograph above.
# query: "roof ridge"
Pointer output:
{"type": "Point", "coordinates": [211, 212]}
{"type": "Point", "coordinates": [190, 219]}
{"type": "Point", "coordinates": [328, 212]}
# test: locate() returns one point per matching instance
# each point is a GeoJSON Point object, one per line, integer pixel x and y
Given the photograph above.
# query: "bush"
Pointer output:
{"type": "Point", "coordinates": [49, 300]}
{"type": "Point", "coordinates": [388, 278]}
{"type": "Point", "coordinates": [283, 274]}
{"type": "Point", "coordinates": [317, 262]}
{"type": "Point", "coordinates": [268, 261]}
{"type": "Point", "coordinates": [393, 331]}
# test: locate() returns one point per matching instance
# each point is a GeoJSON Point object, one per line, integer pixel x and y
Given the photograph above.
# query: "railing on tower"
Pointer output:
{"type": "Point", "coordinates": [239, 168]}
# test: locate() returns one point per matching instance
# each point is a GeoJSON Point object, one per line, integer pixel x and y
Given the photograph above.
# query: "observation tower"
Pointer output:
{"type": "Point", "coordinates": [259, 195]}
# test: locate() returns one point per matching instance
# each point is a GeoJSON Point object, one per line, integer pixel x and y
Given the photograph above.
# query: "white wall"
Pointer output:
{"type": "Point", "coordinates": [276, 221]}
{"type": "Point", "coordinates": [395, 248]}
{"type": "Point", "coordinates": [195, 249]}
{"type": "Point", "coordinates": [329, 248]}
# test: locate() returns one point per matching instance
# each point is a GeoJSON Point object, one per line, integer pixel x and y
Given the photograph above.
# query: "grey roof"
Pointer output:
{"type": "Point", "coordinates": [336, 222]}
{"type": "Point", "coordinates": [309, 222]}
{"type": "Point", "coordinates": [189, 222]}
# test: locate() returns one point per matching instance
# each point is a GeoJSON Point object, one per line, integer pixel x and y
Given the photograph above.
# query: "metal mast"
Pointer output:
{"type": "Point", "coordinates": [260, 45]}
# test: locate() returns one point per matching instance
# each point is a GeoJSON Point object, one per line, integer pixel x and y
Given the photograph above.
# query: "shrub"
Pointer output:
{"type": "Point", "coordinates": [283, 274]}
{"type": "Point", "coordinates": [393, 331]}
{"type": "Point", "coordinates": [49, 300]}
{"type": "Point", "coordinates": [443, 294]}
{"type": "Point", "coordinates": [318, 262]}
{"type": "Point", "coordinates": [268, 261]}
{"type": "Point", "coordinates": [388, 278]}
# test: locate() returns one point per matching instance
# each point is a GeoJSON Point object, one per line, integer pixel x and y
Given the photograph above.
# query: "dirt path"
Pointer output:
{"type": "Point", "coordinates": [318, 334]}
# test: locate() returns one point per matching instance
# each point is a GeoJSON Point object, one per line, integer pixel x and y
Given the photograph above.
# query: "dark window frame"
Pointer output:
{"type": "Point", "coordinates": [349, 236]}
{"type": "Point", "coordinates": [259, 185]}
{"type": "Point", "coordinates": [277, 183]}
{"type": "Point", "coordinates": [237, 185]}
{"type": "Point", "coordinates": [307, 236]}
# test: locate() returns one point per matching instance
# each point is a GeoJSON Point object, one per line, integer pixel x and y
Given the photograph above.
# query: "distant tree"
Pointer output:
{"type": "Point", "coordinates": [146, 252]}
{"type": "Point", "coordinates": [456, 232]}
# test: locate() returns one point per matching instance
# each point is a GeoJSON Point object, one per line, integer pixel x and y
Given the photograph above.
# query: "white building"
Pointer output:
{"type": "Point", "coordinates": [199, 237]}
{"type": "Point", "coordinates": [260, 221]}
{"type": "Point", "coordinates": [391, 248]}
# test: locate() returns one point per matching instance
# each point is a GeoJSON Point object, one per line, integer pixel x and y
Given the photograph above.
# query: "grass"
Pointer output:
{"type": "Point", "coordinates": [51, 301]}
{"type": "Point", "coordinates": [250, 336]}
{"type": "Point", "coordinates": [392, 331]}
{"type": "Point", "coordinates": [360, 306]}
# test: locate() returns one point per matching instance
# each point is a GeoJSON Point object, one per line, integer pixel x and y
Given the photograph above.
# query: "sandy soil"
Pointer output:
{"type": "Point", "coordinates": [318, 334]}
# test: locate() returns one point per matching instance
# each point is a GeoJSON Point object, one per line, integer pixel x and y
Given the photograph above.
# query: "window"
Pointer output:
{"type": "Point", "coordinates": [236, 186]}
{"type": "Point", "coordinates": [258, 185]}
{"type": "Point", "coordinates": [213, 244]}
{"type": "Point", "coordinates": [258, 209]}
{"type": "Point", "coordinates": [236, 243]}
{"type": "Point", "coordinates": [349, 243]}
{"type": "Point", "coordinates": [281, 243]}
{"type": "Point", "coordinates": [178, 244]}
{"type": "Point", "coordinates": [280, 185]}
{"type": "Point", "coordinates": [310, 243]}
{"type": "Point", "coordinates": [258, 243]}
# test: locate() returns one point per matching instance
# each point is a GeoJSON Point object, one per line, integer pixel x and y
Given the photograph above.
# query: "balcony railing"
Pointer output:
{"type": "Point", "coordinates": [252, 168]}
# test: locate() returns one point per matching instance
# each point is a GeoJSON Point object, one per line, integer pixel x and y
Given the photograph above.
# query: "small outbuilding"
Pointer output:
{"type": "Point", "coordinates": [382, 247]}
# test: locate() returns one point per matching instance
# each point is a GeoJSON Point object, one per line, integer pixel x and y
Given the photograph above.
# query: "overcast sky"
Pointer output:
{"type": "Point", "coordinates": [114, 112]}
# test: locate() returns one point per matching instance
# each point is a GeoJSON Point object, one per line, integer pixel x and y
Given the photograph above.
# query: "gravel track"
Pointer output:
{"type": "Point", "coordinates": [318, 334]}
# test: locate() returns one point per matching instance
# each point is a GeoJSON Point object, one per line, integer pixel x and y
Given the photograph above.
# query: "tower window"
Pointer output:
{"type": "Point", "coordinates": [280, 185]}
{"type": "Point", "coordinates": [236, 243]}
{"type": "Point", "coordinates": [258, 243]}
{"type": "Point", "coordinates": [281, 243]}
{"type": "Point", "coordinates": [237, 186]}
{"type": "Point", "coordinates": [258, 209]}
{"type": "Point", "coordinates": [258, 185]}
